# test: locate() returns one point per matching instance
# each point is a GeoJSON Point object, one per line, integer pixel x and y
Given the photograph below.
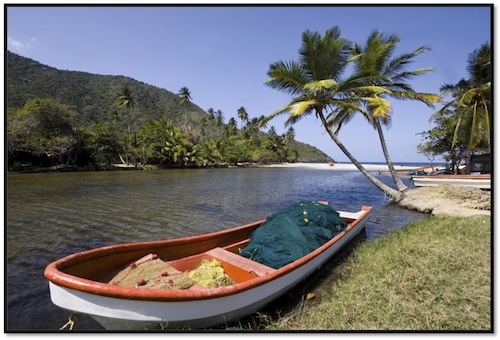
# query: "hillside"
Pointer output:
{"type": "Point", "coordinates": [93, 97]}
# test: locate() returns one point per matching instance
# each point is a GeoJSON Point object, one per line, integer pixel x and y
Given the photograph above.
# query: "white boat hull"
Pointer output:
{"type": "Point", "coordinates": [472, 181]}
{"type": "Point", "coordinates": [123, 314]}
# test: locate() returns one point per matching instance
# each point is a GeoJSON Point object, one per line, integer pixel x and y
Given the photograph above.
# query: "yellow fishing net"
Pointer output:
{"type": "Point", "coordinates": [150, 272]}
{"type": "Point", "coordinates": [210, 274]}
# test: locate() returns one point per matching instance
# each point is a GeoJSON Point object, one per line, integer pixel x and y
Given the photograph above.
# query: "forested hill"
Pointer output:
{"type": "Point", "coordinates": [93, 98]}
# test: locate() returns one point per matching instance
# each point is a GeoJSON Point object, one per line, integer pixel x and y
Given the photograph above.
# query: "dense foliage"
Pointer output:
{"type": "Point", "coordinates": [463, 124]}
{"type": "Point", "coordinates": [64, 117]}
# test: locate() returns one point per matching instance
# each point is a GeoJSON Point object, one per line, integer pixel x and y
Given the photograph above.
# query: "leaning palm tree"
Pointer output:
{"type": "Point", "coordinates": [375, 65]}
{"type": "Point", "coordinates": [315, 84]}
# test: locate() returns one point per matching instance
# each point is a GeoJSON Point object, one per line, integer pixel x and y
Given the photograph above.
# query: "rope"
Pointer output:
{"type": "Point", "coordinates": [73, 317]}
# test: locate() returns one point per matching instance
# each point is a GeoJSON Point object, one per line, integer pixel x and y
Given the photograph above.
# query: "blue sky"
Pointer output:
{"type": "Point", "coordinates": [222, 54]}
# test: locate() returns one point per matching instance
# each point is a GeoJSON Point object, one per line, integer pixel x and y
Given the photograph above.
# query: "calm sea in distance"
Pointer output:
{"type": "Point", "coordinates": [51, 215]}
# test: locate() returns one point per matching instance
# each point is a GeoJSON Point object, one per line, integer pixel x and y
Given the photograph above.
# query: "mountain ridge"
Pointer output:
{"type": "Point", "coordinates": [93, 97]}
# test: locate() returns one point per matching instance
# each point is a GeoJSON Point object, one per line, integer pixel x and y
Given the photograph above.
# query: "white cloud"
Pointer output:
{"type": "Point", "coordinates": [18, 46]}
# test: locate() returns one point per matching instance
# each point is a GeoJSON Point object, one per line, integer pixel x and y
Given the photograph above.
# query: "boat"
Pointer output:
{"type": "Point", "coordinates": [481, 181]}
{"type": "Point", "coordinates": [423, 170]}
{"type": "Point", "coordinates": [80, 282]}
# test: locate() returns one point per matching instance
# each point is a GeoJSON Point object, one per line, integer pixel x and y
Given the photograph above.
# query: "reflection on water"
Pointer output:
{"type": "Point", "coordinates": [52, 215]}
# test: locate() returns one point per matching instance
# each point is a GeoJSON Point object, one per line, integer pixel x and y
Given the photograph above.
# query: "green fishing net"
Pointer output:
{"type": "Point", "coordinates": [292, 233]}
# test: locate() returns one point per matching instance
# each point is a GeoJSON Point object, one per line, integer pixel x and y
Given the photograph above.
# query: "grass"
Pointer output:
{"type": "Point", "coordinates": [432, 275]}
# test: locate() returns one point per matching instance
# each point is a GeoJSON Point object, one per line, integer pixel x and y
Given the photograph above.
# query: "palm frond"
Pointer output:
{"type": "Point", "coordinates": [427, 98]}
{"type": "Point", "coordinates": [298, 109]}
{"type": "Point", "coordinates": [398, 64]}
{"type": "Point", "coordinates": [320, 85]}
{"type": "Point", "coordinates": [286, 76]}
{"type": "Point", "coordinates": [378, 106]}
{"type": "Point", "coordinates": [264, 120]}
{"type": "Point", "coordinates": [371, 89]}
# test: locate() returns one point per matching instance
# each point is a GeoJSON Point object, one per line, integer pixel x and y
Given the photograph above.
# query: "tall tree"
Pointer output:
{"type": "Point", "coordinates": [375, 65]}
{"type": "Point", "coordinates": [219, 116]}
{"type": "Point", "coordinates": [126, 100]}
{"type": "Point", "coordinates": [231, 128]}
{"type": "Point", "coordinates": [315, 84]}
{"type": "Point", "coordinates": [290, 135]}
{"type": "Point", "coordinates": [185, 95]}
{"type": "Point", "coordinates": [243, 116]}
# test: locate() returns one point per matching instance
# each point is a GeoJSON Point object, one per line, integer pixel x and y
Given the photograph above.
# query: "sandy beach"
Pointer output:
{"type": "Point", "coordinates": [338, 166]}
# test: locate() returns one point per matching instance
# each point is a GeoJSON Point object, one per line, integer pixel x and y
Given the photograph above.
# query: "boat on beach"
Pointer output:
{"type": "Point", "coordinates": [88, 282]}
{"type": "Point", "coordinates": [481, 181]}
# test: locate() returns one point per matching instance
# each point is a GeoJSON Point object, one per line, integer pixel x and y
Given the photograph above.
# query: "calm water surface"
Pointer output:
{"type": "Point", "coordinates": [53, 215]}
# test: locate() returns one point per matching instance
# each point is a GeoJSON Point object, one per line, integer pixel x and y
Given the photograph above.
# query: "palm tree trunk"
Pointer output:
{"type": "Point", "coordinates": [399, 183]}
{"type": "Point", "coordinates": [395, 195]}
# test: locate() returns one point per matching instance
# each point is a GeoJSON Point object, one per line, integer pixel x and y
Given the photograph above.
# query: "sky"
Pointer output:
{"type": "Point", "coordinates": [222, 54]}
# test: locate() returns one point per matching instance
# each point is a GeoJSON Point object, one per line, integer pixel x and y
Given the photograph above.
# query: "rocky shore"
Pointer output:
{"type": "Point", "coordinates": [443, 200]}
{"type": "Point", "coordinates": [448, 200]}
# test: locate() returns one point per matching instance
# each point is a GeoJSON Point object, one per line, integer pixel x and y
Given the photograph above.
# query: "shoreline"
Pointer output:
{"type": "Point", "coordinates": [338, 166]}
{"type": "Point", "coordinates": [304, 165]}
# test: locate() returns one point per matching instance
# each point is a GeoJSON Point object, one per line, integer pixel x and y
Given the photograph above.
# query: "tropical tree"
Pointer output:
{"type": "Point", "coordinates": [315, 84]}
{"type": "Point", "coordinates": [272, 131]}
{"type": "Point", "coordinates": [231, 127]}
{"type": "Point", "coordinates": [219, 118]}
{"type": "Point", "coordinates": [176, 146]}
{"type": "Point", "coordinates": [290, 135]}
{"type": "Point", "coordinates": [45, 127]}
{"type": "Point", "coordinates": [262, 122]}
{"type": "Point", "coordinates": [243, 116]}
{"type": "Point", "coordinates": [126, 100]}
{"type": "Point", "coordinates": [211, 151]}
{"type": "Point", "coordinates": [439, 141]}
{"type": "Point", "coordinates": [471, 102]}
{"type": "Point", "coordinates": [375, 65]}
{"type": "Point", "coordinates": [211, 113]}
{"type": "Point", "coordinates": [185, 95]}
{"type": "Point", "coordinates": [105, 142]}
{"type": "Point", "coordinates": [253, 126]}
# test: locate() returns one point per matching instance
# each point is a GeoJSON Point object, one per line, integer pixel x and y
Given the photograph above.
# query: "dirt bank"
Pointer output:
{"type": "Point", "coordinates": [448, 200]}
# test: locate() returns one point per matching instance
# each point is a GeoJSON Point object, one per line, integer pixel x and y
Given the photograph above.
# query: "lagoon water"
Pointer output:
{"type": "Point", "coordinates": [52, 215]}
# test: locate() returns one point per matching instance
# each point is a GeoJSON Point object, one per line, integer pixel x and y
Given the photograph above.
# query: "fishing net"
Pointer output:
{"type": "Point", "coordinates": [210, 274]}
{"type": "Point", "coordinates": [150, 272]}
{"type": "Point", "coordinates": [292, 233]}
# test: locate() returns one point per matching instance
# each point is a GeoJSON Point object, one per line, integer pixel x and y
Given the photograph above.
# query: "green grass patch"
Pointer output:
{"type": "Point", "coordinates": [434, 274]}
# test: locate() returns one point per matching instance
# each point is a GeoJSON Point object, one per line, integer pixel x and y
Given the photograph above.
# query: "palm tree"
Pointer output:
{"type": "Point", "coordinates": [176, 145]}
{"type": "Point", "coordinates": [185, 95]}
{"type": "Point", "coordinates": [375, 65]}
{"type": "Point", "coordinates": [219, 116]}
{"type": "Point", "coordinates": [231, 127]}
{"type": "Point", "coordinates": [127, 101]}
{"type": "Point", "coordinates": [472, 101]}
{"type": "Point", "coordinates": [211, 113]}
{"type": "Point", "coordinates": [314, 82]}
{"type": "Point", "coordinates": [243, 115]}
{"type": "Point", "coordinates": [290, 135]}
